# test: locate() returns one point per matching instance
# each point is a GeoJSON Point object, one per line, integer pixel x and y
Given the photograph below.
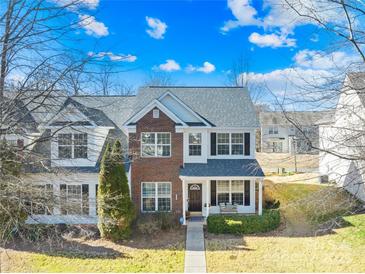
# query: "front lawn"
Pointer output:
{"type": "Point", "coordinates": [159, 253]}
{"type": "Point", "coordinates": [296, 247]}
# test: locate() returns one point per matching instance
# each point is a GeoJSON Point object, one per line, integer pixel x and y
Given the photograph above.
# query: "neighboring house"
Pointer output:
{"type": "Point", "coordinates": [279, 135]}
{"type": "Point", "coordinates": [342, 138]}
{"type": "Point", "coordinates": [192, 149]}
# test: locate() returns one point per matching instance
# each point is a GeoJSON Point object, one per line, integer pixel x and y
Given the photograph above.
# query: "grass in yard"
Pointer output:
{"type": "Point", "coordinates": [138, 255]}
{"type": "Point", "coordinates": [295, 248]}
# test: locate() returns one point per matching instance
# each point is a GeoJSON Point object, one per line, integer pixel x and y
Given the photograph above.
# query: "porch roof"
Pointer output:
{"type": "Point", "coordinates": [223, 168]}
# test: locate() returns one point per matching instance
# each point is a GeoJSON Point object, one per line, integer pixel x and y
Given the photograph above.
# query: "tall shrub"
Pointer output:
{"type": "Point", "coordinates": [115, 208]}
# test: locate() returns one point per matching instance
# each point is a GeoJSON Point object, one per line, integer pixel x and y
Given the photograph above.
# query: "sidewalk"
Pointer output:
{"type": "Point", "coordinates": [195, 250]}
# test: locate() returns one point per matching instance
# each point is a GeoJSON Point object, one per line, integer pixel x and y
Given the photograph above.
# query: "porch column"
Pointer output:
{"type": "Point", "coordinates": [260, 196]}
{"type": "Point", "coordinates": [57, 199]}
{"type": "Point", "coordinates": [92, 200]}
{"type": "Point", "coordinates": [184, 201]}
{"type": "Point", "coordinates": [207, 200]}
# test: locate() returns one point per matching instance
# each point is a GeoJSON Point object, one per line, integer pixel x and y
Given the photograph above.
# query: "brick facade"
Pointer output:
{"type": "Point", "coordinates": [157, 169]}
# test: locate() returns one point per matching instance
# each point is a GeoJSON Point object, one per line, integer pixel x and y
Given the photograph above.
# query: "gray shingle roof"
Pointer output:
{"type": "Point", "coordinates": [223, 167]}
{"type": "Point", "coordinates": [357, 82]}
{"type": "Point", "coordinates": [221, 106]}
{"type": "Point", "coordinates": [302, 118]}
{"type": "Point", "coordinates": [116, 108]}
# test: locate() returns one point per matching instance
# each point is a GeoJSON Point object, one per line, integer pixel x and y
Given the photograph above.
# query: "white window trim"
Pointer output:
{"type": "Point", "coordinates": [230, 144]}
{"type": "Point", "coordinates": [200, 144]}
{"type": "Point", "coordinates": [155, 145]}
{"type": "Point", "coordinates": [73, 146]}
{"type": "Point", "coordinates": [156, 196]}
{"type": "Point", "coordinates": [230, 191]}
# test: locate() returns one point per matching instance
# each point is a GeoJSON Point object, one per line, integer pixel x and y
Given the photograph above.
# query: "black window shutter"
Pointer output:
{"type": "Point", "coordinates": [85, 199]}
{"type": "Point", "coordinates": [247, 193]}
{"type": "Point", "coordinates": [213, 142]}
{"type": "Point", "coordinates": [247, 144]}
{"type": "Point", "coordinates": [213, 191]}
{"type": "Point", "coordinates": [96, 198]}
{"type": "Point", "coordinates": [63, 199]}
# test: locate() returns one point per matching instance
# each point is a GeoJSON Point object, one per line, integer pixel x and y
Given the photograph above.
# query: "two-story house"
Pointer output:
{"type": "Point", "coordinates": [191, 150]}
{"type": "Point", "coordinates": [290, 132]}
{"type": "Point", "coordinates": [342, 138]}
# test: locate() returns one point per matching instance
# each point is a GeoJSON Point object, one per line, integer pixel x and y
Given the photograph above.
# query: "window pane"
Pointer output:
{"type": "Point", "coordinates": [148, 204]}
{"type": "Point", "coordinates": [223, 149]}
{"type": "Point", "coordinates": [65, 139]}
{"type": "Point", "coordinates": [80, 139]}
{"type": "Point", "coordinates": [237, 198]}
{"type": "Point", "coordinates": [80, 152]}
{"type": "Point", "coordinates": [223, 186]}
{"type": "Point", "coordinates": [65, 152]}
{"type": "Point", "coordinates": [195, 138]}
{"type": "Point", "coordinates": [148, 138]}
{"type": "Point", "coordinates": [223, 138]}
{"type": "Point", "coordinates": [237, 138]}
{"type": "Point", "coordinates": [74, 199]}
{"type": "Point", "coordinates": [164, 204]}
{"type": "Point", "coordinates": [148, 190]}
{"type": "Point", "coordinates": [164, 189]}
{"type": "Point", "coordinates": [195, 150]}
{"type": "Point", "coordinates": [148, 150]}
{"type": "Point", "coordinates": [237, 149]}
{"type": "Point", "coordinates": [163, 138]}
{"type": "Point", "coordinates": [223, 198]}
{"type": "Point", "coordinates": [163, 150]}
{"type": "Point", "coordinates": [237, 186]}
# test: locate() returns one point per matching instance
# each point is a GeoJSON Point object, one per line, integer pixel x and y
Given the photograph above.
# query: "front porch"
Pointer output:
{"type": "Point", "coordinates": [221, 195]}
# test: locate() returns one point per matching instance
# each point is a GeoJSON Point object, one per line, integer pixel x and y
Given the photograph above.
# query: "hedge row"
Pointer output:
{"type": "Point", "coordinates": [243, 224]}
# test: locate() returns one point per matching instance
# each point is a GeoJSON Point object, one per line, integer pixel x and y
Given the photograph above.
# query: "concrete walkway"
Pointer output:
{"type": "Point", "coordinates": [195, 250]}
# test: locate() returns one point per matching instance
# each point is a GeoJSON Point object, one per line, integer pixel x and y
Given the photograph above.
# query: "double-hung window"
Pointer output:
{"type": "Point", "coordinates": [72, 146]}
{"type": "Point", "coordinates": [156, 197]}
{"type": "Point", "coordinates": [223, 143]}
{"type": "Point", "coordinates": [195, 144]}
{"type": "Point", "coordinates": [156, 144]}
{"type": "Point", "coordinates": [230, 143]}
{"type": "Point", "coordinates": [235, 192]}
{"type": "Point", "coordinates": [74, 199]}
{"type": "Point", "coordinates": [273, 130]}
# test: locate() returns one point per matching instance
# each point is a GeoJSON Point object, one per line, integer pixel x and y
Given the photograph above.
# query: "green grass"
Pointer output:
{"type": "Point", "coordinates": [296, 249]}
{"type": "Point", "coordinates": [141, 260]}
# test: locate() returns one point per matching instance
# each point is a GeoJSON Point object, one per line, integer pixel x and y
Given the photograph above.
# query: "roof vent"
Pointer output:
{"type": "Point", "coordinates": [156, 113]}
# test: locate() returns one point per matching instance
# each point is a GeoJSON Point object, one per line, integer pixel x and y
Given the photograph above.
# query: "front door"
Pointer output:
{"type": "Point", "coordinates": [195, 197]}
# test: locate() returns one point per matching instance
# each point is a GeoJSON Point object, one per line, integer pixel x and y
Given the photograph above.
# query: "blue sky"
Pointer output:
{"type": "Point", "coordinates": [197, 41]}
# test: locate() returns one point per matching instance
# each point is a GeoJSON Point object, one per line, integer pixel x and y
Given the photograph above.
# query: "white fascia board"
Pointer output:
{"type": "Point", "coordinates": [155, 103]}
{"type": "Point", "coordinates": [185, 106]}
{"type": "Point", "coordinates": [130, 129]}
{"type": "Point", "coordinates": [197, 178]}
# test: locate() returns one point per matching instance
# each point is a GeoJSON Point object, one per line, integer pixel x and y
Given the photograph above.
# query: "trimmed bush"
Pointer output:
{"type": "Point", "coordinates": [154, 222]}
{"type": "Point", "coordinates": [240, 224]}
{"type": "Point", "coordinates": [115, 208]}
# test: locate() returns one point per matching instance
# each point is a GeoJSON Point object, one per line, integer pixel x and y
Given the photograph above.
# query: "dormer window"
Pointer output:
{"type": "Point", "coordinates": [156, 113]}
{"type": "Point", "coordinates": [72, 146]}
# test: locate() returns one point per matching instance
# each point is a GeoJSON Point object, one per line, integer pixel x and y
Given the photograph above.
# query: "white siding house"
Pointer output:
{"type": "Point", "coordinates": [342, 138]}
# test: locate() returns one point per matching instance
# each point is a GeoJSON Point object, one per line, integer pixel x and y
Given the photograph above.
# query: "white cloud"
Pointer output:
{"type": "Point", "coordinates": [75, 5]}
{"type": "Point", "coordinates": [271, 40]}
{"type": "Point", "coordinates": [170, 65]}
{"type": "Point", "coordinates": [244, 13]}
{"type": "Point", "coordinates": [320, 60]}
{"type": "Point", "coordinates": [114, 57]}
{"type": "Point", "coordinates": [157, 28]}
{"type": "Point", "coordinates": [206, 68]}
{"type": "Point", "coordinates": [92, 27]}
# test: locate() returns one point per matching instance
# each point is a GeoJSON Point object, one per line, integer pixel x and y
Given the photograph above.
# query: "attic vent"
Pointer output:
{"type": "Point", "coordinates": [156, 113]}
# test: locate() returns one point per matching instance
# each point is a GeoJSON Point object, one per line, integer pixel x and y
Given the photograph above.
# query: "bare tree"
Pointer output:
{"type": "Point", "coordinates": [159, 78]}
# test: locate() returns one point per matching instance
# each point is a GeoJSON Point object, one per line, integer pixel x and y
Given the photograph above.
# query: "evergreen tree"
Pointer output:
{"type": "Point", "coordinates": [116, 210]}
